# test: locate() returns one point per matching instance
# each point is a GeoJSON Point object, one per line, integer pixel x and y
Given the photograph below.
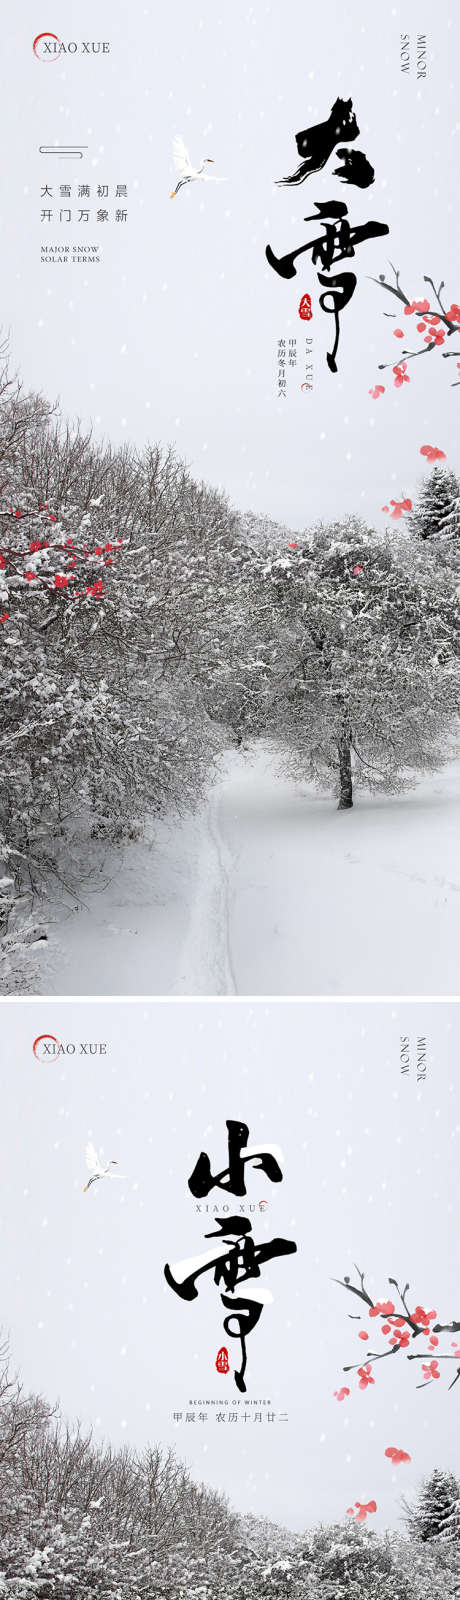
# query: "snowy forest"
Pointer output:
{"type": "Point", "coordinates": [78, 1517]}
{"type": "Point", "coordinates": [147, 626]}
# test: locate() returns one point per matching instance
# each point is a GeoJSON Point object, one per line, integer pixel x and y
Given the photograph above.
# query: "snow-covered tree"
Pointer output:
{"type": "Point", "coordinates": [436, 512]}
{"type": "Point", "coordinates": [113, 567]}
{"type": "Point", "coordinates": [435, 1514]}
{"type": "Point", "coordinates": [362, 639]}
{"type": "Point", "coordinates": [80, 1519]}
{"type": "Point", "coordinates": [143, 622]}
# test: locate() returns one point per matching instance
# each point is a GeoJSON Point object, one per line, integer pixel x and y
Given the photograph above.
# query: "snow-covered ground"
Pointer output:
{"type": "Point", "coordinates": [270, 890]}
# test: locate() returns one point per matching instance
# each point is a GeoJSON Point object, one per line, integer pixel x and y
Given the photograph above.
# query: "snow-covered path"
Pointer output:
{"type": "Point", "coordinates": [271, 890]}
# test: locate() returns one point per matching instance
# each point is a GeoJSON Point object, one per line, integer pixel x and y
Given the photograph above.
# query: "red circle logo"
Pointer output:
{"type": "Point", "coordinates": [41, 1054]}
{"type": "Point", "coordinates": [39, 49]}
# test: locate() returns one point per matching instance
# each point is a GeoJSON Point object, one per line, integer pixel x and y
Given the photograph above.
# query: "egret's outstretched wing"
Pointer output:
{"type": "Point", "coordinates": [92, 1159]}
{"type": "Point", "coordinates": [181, 157]}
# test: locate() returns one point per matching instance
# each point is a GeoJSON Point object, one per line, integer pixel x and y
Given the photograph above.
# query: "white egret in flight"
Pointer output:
{"type": "Point", "coordinates": [96, 1168]}
{"type": "Point", "coordinates": [187, 173]}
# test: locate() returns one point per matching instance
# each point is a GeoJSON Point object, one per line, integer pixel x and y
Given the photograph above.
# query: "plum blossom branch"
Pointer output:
{"type": "Point", "coordinates": [438, 1358]}
{"type": "Point", "coordinates": [400, 1326]}
{"type": "Point", "coordinates": [372, 1355]}
{"type": "Point", "coordinates": [437, 323]}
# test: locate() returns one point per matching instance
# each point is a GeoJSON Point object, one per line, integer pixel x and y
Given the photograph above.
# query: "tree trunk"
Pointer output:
{"type": "Point", "coordinates": [346, 782]}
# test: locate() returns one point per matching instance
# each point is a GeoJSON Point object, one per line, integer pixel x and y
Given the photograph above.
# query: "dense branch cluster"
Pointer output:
{"type": "Point", "coordinates": [366, 656]}
{"type": "Point", "coordinates": [81, 1519]}
{"type": "Point", "coordinates": [144, 623]}
{"type": "Point", "coordinates": [110, 570]}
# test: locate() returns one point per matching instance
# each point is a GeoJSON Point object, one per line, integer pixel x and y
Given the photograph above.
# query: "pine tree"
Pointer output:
{"type": "Point", "coordinates": [436, 1512]}
{"type": "Point", "coordinates": [436, 512]}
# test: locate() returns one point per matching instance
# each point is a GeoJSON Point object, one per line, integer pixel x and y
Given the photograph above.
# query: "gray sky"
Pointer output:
{"type": "Point", "coordinates": [174, 335]}
{"type": "Point", "coordinates": [371, 1175]}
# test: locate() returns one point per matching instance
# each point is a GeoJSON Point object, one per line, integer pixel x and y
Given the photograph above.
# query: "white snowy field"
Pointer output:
{"type": "Point", "coordinates": [271, 890]}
